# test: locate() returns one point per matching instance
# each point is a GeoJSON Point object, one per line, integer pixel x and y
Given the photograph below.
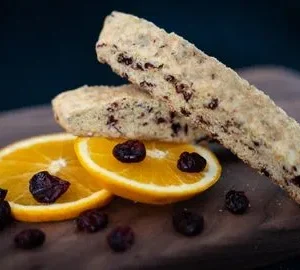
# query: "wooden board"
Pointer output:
{"type": "Point", "coordinates": [269, 232]}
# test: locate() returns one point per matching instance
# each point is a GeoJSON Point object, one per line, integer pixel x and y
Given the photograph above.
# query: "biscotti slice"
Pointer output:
{"type": "Point", "coordinates": [212, 96]}
{"type": "Point", "coordinates": [122, 111]}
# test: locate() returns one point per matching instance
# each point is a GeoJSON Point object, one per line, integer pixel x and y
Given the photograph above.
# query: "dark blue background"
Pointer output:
{"type": "Point", "coordinates": [48, 46]}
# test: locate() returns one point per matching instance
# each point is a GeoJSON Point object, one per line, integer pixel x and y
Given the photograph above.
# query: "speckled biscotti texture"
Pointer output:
{"type": "Point", "coordinates": [122, 111]}
{"type": "Point", "coordinates": [211, 95]}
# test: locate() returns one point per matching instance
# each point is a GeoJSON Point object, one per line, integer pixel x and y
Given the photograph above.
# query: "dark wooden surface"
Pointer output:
{"type": "Point", "coordinates": [269, 232]}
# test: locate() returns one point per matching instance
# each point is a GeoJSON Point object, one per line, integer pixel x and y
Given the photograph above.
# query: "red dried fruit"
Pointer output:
{"type": "Point", "coordinates": [29, 239]}
{"type": "Point", "coordinates": [236, 202]}
{"type": "Point", "coordinates": [3, 193]}
{"type": "Point", "coordinates": [188, 223]}
{"type": "Point", "coordinates": [92, 221]}
{"type": "Point", "coordinates": [191, 162]}
{"type": "Point", "coordinates": [47, 188]}
{"type": "Point", "coordinates": [121, 238]}
{"type": "Point", "coordinates": [5, 215]}
{"type": "Point", "coordinates": [130, 151]}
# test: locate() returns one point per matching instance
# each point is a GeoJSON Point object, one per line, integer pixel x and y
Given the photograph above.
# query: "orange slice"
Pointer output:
{"type": "Point", "coordinates": [55, 154]}
{"type": "Point", "coordinates": [156, 179]}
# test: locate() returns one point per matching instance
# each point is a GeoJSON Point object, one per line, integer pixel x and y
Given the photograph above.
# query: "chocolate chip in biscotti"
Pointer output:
{"type": "Point", "coordinates": [213, 104]}
{"type": "Point", "coordinates": [144, 84]}
{"type": "Point", "coordinates": [186, 129]}
{"type": "Point", "coordinates": [161, 120]}
{"type": "Point", "coordinates": [138, 66]}
{"type": "Point", "coordinates": [111, 120]}
{"type": "Point", "coordinates": [185, 112]}
{"type": "Point", "coordinates": [176, 127]}
{"type": "Point", "coordinates": [100, 45]}
{"type": "Point", "coordinates": [170, 78]}
{"type": "Point", "coordinates": [265, 172]}
{"type": "Point", "coordinates": [123, 59]}
{"type": "Point", "coordinates": [183, 89]}
{"type": "Point", "coordinates": [296, 181]}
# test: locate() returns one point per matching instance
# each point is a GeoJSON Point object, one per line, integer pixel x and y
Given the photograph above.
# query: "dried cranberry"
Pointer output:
{"type": "Point", "coordinates": [47, 188]}
{"type": "Point", "coordinates": [29, 239]}
{"type": "Point", "coordinates": [92, 221]}
{"type": "Point", "coordinates": [5, 215]}
{"type": "Point", "coordinates": [130, 151]}
{"type": "Point", "coordinates": [3, 193]}
{"type": "Point", "coordinates": [121, 238]}
{"type": "Point", "coordinates": [188, 223]}
{"type": "Point", "coordinates": [191, 162]}
{"type": "Point", "coordinates": [236, 202]}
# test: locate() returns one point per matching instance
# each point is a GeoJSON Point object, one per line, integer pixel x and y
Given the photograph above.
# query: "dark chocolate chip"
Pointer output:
{"type": "Point", "coordinates": [162, 46]}
{"type": "Point", "coordinates": [186, 129]}
{"type": "Point", "coordinates": [172, 115]}
{"type": "Point", "coordinates": [166, 97]}
{"type": "Point", "coordinates": [138, 66]}
{"type": "Point", "coordinates": [294, 168]}
{"type": "Point", "coordinates": [150, 110]}
{"type": "Point", "coordinates": [123, 59]}
{"type": "Point", "coordinates": [296, 181]}
{"type": "Point", "coordinates": [213, 104]}
{"type": "Point", "coordinates": [201, 120]}
{"type": "Point", "coordinates": [265, 172]}
{"type": "Point", "coordinates": [250, 148]}
{"type": "Point", "coordinates": [101, 45]}
{"type": "Point", "coordinates": [111, 120]}
{"type": "Point", "coordinates": [144, 84]}
{"type": "Point", "coordinates": [170, 78]}
{"type": "Point", "coordinates": [213, 76]}
{"type": "Point", "coordinates": [115, 104]}
{"type": "Point", "coordinates": [145, 124]}
{"type": "Point", "coordinates": [185, 112]}
{"type": "Point", "coordinates": [161, 120]}
{"type": "Point", "coordinates": [149, 65]}
{"type": "Point", "coordinates": [176, 127]}
{"type": "Point", "coordinates": [256, 143]}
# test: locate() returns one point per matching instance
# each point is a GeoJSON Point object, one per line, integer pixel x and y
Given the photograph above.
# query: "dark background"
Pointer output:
{"type": "Point", "coordinates": [48, 46]}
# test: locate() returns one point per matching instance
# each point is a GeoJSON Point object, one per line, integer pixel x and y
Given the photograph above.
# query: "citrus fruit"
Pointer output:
{"type": "Point", "coordinates": [55, 154]}
{"type": "Point", "coordinates": [156, 179]}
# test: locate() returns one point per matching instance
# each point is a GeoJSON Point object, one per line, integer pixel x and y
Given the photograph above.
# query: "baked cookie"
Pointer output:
{"type": "Point", "coordinates": [212, 96]}
{"type": "Point", "coordinates": [122, 111]}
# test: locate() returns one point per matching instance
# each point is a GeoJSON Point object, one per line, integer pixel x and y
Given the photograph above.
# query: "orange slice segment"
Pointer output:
{"type": "Point", "coordinates": [156, 179]}
{"type": "Point", "coordinates": [55, 154]}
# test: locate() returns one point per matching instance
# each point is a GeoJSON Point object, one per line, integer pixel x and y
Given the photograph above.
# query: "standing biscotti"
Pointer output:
{"type": "Point", "coordinates": [121, 111]}
{"type": "Point", "coordinates": [211, 95]}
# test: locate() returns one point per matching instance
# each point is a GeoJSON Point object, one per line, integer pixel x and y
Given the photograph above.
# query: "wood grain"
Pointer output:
{"type": "Point", "coordinates": [269, 232]}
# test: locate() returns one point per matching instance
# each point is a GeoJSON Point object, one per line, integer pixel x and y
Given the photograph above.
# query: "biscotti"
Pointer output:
{"type": "Point", "coordinates": [209, 94]}
{"type": "Point", "coordinates": [122, 111]}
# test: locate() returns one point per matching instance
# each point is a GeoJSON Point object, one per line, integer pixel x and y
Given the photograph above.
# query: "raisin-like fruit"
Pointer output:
{"type": "Point", "coordinates": [236, 202]}
{"type": "Point", "coordinates": [3, 193]}
{"type": "Point", "coordinates": [29, 239]}
{"type": "Point", "coordinates": [188, 223]}
{"type": "Point", "coordinates": [121, 238]}
{"type": "Point", "coordinates": [130, 151]}
{"type": "Point", "coordinates": [191, 162]}
{"type": "Point", "coordinates": [92, 221]}
{"type": "Point", "coordinates": [47, 188]}
{"type": "Point", "coordinates": [5, 215]}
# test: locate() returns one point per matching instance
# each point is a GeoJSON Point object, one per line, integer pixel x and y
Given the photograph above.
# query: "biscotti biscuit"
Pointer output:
{"type": "Point", "coordinates": [122, 111]}
{"type": "Point", "coordinates": [212, 96]}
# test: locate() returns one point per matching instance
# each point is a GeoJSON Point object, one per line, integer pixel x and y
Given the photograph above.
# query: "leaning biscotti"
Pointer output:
{"type": "Point", "coordinates": [211, 95]}
{"type": "Point", "coordinates": [121, 111]}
